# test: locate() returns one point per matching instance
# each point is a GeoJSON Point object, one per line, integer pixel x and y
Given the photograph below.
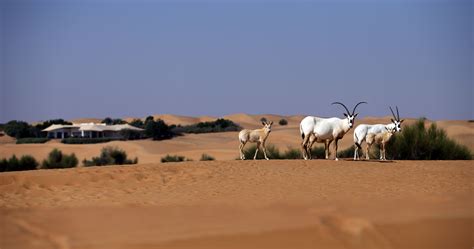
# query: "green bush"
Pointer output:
{"type": "Point", "coordinates": [110, 156]}
{"type": "Point", "coordinates": [416, 142]}
{"type": "Point", "coordinates": [346, 153]}
{"type": "Point", "coordinates": [26, 162]}
{"type": "Point", "coordinates": [173, 158]}
{"type": "Point", "coordinates": [19, 129]}
{"type": "Point", "coordinates": [220, 125]}
{"type": "Point", "coordinates": [110, 121]}
{"type": "Point", "coordinates": [283, 122]}
{"type": "Point", "coordinates": [137, 123]}
{"type": "Point", "coordinates": [158, 130]}
{"type": "Point", "coordinates": [128, 134]}
{"type": "Point", "coordinates": [57, 160]}
{"type": "Point", "coordinates": [86, 140]}
{"type": "Point", "coordinates": [274, 153]}
{"type": "Point", "coordinates": [206, 157]}
{"type": "Point", "coordinates": [32, 140]}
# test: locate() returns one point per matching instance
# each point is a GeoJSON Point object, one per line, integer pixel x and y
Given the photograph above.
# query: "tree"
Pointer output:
{"type": "Point", "coordinates": [137, 123]}
{"type": "Point", "coordinates": [107, 121]}
{"type": "Point", "coordinates": [158, 130]}
{"type": "Point", "coordinates": [18, 129]}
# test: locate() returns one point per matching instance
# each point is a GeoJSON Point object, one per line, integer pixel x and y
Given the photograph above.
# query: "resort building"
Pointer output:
{"type": "Point", "coordinates": [90, 130]}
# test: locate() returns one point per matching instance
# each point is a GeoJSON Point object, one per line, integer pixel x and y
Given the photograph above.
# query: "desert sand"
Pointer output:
{"type": "Point", "coordinates": [237, 204]}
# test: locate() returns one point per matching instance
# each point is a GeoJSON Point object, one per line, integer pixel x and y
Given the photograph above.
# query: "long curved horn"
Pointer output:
{"type": "Point", "coordinates": [353, 111]}
{"type": "Point", "coordinates": [395, 117]}
{"type": "Point", "coordinates": [398, 115]}
{"type": "Point", "coordinates": [348, 113]}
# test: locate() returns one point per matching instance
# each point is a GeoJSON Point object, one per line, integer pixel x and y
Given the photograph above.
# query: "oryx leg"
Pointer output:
{"type": "Point", "coordinates": [367, 149]}
{"type": "Point", "coordinates": [241, 148]}
{"type": "Point", "coordinates": [383, 151]}
{"type": "Point", "coordinates": [356, 153]}
{"type": "Point", "coordinates": [311, 141]}
{"type": "Point", "coordinates": [335, 147]}
{"type": "Point", "coordinates": [303, 146]}
{"type": "Point", "coordinates": [256, 151]}
{"type": "Point", "coordinates": [327, 145]}
{"type": "Point", "coordinates": [264, 151]}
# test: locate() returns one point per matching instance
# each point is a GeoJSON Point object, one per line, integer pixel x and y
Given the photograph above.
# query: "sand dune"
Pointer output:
{"type": "Point", "coordinates": [235, 204]}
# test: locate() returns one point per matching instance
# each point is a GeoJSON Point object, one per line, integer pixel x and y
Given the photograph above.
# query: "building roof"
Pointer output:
{"type": "Point", "coordinates": [94, 127]}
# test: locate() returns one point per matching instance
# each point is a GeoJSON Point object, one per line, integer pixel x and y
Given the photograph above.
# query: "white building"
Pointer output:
{"type": "Point", "coordinates": [90, 130]}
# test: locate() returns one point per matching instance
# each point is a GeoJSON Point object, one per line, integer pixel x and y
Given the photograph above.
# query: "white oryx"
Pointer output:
{"type": "Point", "coordinates": [364, 131]}
{"type": "Point", "coordinates": [315, 129]}
{"type": "Point", "coordinates": [258, 136]}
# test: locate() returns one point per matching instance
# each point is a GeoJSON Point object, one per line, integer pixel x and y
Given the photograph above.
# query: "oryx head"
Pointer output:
{"type": "Point", "coordinates": [350, 116]}
{"type": "Point", "coordinates": [267, 126]}
{"type": "Point", "coordinates": [391, 129]}
{"type": "Point", "coordinates": [396, 120]}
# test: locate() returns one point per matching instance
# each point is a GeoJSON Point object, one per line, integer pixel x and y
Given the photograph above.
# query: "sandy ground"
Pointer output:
{"type": "Point", "coordinates": [235, 204]}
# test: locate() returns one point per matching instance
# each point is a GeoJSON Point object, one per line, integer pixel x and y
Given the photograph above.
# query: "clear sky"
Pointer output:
{"type": "Point", "coordinates": [71, 59]}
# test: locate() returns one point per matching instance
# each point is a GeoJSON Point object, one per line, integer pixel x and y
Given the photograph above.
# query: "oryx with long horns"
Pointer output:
{"type": "Point", "coordinates": [363, 131]}
{"type": "Point", "coordinates": [325, 130]}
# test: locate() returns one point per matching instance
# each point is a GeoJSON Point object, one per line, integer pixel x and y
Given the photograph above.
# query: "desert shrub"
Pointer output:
{"type": "Point", "coordinates": [274, 153]}
{"type": "Point", "coordinates": [263, 119]}
{"type": "Point", "coordinates": [174, 158]}
{"type": "Point", "coordinates": [158, 130]}
{"type": "Point", "coordinates": [110, 156]}
{"type": "Point", "coordinates": [283, 122]}
{"type": "Point", "coordinates": [137, 123]}
{"type": "Point", "coordinates": [128, 134]}
{"type": "Point", "coordinates": [220, 125]}
{"type": "Point", "coordinates": [32, 140]}
{"type": "Point", "coordinates": [416, 142]}
{"type": "Point", "coordinates": [110, 121]}
{"type": "Point", "coordinates": [206, 157]}
{"type": "Point", "coordinates": [86, 140]}
{"type": "Point", "coordinates": [346, 153]}
{"type": "Point", "coordinates": [57, 160]}
{"type": "Point", "coordinates": [2, 127]}
{"type": "Point", "coordinates": [18, 129]}
{"type": "Point", "coordinates": [26, 162]}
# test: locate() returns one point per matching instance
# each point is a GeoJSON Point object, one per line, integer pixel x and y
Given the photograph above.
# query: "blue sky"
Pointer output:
{"type": "Point", "coordinates": [71, 59]}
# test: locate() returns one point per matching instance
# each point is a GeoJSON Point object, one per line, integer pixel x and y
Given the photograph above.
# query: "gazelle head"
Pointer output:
{"type": "Point", "coordinates": [267, 126]}
{"type": "Point", "coordinates": [396, 120]}
{"type": "Point", "coordinates": [350, 116]}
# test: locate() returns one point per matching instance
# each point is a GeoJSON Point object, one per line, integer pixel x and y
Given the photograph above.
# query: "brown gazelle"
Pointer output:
{"type": "Point", "coordinates": [258, 136]}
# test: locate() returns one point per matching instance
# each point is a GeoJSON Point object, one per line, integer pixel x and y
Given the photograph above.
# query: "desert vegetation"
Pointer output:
{"type": "Point", "coordinates": [32, 140]}
{"type": "Point", "coordinates": [220, 125]}
{"type": "Point", "coordinates": [206, 157]}
{"type": "Point", "coordinates": [26, 162]}
{"type": "Point", "coordinates": [57, 160]}
{"type": "Point", "coordinates": [283, 122]}
{"type": "Point", "coordinates": [174, 158]}
{"type": "Point", "coordinates": [417, 142]}
{"type": "Point", "coordinates": [110, 156]}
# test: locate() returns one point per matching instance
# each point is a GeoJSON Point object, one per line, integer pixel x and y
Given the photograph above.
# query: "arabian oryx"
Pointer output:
{"type": "Point", "coordinates": [325, 130]}
{"type": "Point", "coordinates": [364, 131]}
{"type": "Point", "coordinates": [258, 136]}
